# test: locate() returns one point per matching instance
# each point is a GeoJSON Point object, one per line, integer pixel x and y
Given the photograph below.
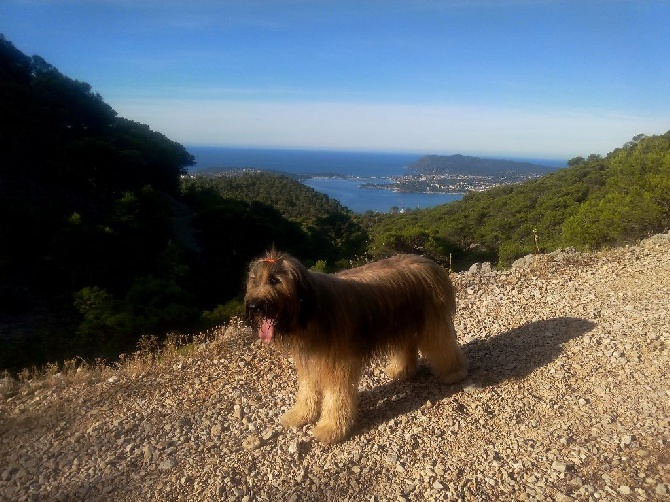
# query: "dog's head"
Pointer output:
{"type": "Point", "coordinates": [279, 296]}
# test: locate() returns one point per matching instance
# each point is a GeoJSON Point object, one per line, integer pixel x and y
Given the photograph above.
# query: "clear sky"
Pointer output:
{"type": "Point", "coordinates": [533, 78]}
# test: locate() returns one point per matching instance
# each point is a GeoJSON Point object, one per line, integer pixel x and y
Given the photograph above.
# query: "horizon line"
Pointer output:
{"type": "Point", "coordinates": [423, 153]}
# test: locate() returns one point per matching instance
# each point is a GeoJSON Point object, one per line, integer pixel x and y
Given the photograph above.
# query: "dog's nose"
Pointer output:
{"type": "Point", "coordinates": [252, 306]}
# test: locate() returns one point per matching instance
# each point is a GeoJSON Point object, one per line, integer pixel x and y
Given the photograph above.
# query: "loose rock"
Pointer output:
{"type": "Point", "coordinates": [568, 398]}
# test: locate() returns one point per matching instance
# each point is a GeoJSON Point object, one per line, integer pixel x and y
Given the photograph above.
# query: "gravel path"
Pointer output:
{"type": "Point", "coordinates": [568, 398]}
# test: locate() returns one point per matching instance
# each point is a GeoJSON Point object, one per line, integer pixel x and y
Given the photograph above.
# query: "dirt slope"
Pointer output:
{"type": "Point", "coordinates": [568, 398]}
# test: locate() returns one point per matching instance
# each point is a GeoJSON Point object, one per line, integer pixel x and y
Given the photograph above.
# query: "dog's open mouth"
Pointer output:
{"type": "Point", "coordinates": [266, 330]}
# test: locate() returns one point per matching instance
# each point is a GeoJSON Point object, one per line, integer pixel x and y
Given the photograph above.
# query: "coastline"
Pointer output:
{"type": "Point", "coordinates": [360, 181]}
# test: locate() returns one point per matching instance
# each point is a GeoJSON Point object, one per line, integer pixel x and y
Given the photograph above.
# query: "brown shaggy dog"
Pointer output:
{"type": "Point", "coordinates": [331, 324]}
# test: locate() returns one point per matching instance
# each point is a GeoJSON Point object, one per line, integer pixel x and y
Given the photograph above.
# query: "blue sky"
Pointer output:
{"type": "Point", "coordinates": [533, 78]}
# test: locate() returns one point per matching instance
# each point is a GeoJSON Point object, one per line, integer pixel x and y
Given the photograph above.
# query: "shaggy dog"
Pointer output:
{"type": "Point", "coordinates": [332, 323]}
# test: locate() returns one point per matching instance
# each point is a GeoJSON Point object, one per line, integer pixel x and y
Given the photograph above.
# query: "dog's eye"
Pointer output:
{"type": "Point", "coordinates": [273, 280]}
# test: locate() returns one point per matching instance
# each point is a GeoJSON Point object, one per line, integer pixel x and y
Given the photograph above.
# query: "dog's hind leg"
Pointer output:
{"type": "Point", "coordinates": [340, 401]}
{"type": "Point", "coordinates": [308, 398]}
{"type": "Point", "coordinates": [402, 360]}
{"type": "Point", "coordinates": [438, 344]}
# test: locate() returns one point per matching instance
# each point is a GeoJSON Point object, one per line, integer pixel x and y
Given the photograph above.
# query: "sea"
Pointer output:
{"type": "Point", "coordinates": [339, 174]}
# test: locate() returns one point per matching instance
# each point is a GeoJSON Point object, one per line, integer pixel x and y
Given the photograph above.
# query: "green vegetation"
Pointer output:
{"type": "Point", "coordinates": [327, 231]}
{"type": "Point", "coordinates": [595, 202]}
{"type": "Point", "coordinates": [104, 239]}
{"type": "Point", "coordinates": [444, 164]}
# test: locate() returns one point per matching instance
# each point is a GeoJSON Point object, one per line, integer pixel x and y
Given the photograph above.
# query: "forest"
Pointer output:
{"type": "Point", "coordinates": [105, 237]}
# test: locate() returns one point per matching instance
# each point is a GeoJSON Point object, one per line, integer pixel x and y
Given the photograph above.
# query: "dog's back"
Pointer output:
{"type": "Point", "coordinates": [388, 301]}
{"type": "Point", "coordinates": [403, 270]}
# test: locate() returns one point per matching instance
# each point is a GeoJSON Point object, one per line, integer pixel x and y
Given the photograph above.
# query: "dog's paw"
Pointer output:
{"type": "Point", "coordinates": [294, 418]}
{"type": "Point", "coordinates": [327, 434]}
{"type": "Point", "coordinates": [453, 377]}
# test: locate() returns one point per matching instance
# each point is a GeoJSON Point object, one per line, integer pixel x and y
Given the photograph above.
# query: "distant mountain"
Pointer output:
{"type": "Point", "coordinates": [443, 164]}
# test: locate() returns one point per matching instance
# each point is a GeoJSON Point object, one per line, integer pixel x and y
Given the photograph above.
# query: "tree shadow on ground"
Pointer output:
{"type": "Point", "coordinates": [510, 355]}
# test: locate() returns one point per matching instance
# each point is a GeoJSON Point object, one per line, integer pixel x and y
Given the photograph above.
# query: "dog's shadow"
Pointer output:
{"type": "Point", "coordinates": [509, 355]}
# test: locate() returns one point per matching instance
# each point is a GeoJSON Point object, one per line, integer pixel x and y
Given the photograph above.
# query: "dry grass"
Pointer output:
{"type": "Point", "coordinates": [150, 353]}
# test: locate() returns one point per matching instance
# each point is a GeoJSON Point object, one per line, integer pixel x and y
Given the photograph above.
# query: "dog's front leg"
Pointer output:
{"type": "Point", "coordinates": [308, 398]}
{"type": "Point", "coordinates": [340, 401]}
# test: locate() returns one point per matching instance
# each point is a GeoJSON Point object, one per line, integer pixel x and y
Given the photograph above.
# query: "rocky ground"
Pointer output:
{"type": "Point", "coordinates": [568, 399]}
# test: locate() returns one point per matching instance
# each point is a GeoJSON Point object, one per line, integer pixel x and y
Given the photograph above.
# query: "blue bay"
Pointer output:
{"type": "Point", "coordinates": [303, 161]}
{"type": "Point", "coordinates": [351, 194]}
{"type": "Point", "coordinates": [354, 169]}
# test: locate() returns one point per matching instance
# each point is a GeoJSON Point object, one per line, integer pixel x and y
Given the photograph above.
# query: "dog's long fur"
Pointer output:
{"type": "Point", "coordinates": [332, 323]}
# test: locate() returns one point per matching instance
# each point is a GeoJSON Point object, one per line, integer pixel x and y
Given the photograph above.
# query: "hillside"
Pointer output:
{"type": "Point", "coordinates": [311, 224]}
{"type": "Point", "coordinates": [567, 400]}
{"type": "Point", "coordinates": [89, 201]}
{"type": "Point", "coordinates": [103, 238]}
{"type": "Point", "coordinates": [445, 164]}
{"type": "Point", "coordinates": [594, 202]}
{"type": "Point", "coordinates": [294, 200]}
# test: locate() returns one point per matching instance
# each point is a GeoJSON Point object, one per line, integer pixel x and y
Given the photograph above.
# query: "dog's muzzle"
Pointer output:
{"type": "Point", "coordinates": [257, 317]}
{"type": "Point", "coordinates": [254, 309]}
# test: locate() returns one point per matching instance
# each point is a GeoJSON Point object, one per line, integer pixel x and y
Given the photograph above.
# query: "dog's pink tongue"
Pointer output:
{"type": "Point", "coordinates": [266, 330]}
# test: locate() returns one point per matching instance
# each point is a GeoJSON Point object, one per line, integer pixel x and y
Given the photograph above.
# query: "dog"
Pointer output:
{"type": "Point", "coordinates": [331, 324]}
